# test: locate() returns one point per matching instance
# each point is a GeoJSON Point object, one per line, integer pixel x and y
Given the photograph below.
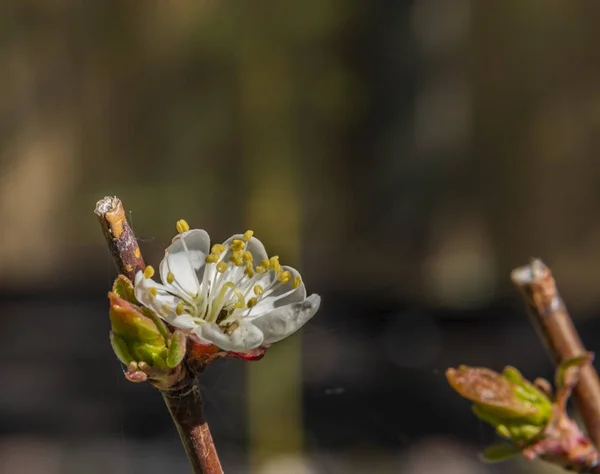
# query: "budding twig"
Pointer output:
{"type": "Point", "coordinates": [121, 241]}
{"type": "Point", "coordinates": [552, 320]}
{"type": "Point", "coordinates": [183, 399]}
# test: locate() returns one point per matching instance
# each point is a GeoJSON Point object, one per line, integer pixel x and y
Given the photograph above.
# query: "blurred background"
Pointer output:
{"type": "Point", "coordinates": [405, 156]}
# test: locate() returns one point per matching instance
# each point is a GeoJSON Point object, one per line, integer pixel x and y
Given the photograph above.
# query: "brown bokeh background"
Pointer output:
{"type": "Point", "coordinates": [405, 156]}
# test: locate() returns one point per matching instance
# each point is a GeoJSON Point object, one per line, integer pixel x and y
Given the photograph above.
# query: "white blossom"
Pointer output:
{"type": "Point", "coordinates": [231, 295]}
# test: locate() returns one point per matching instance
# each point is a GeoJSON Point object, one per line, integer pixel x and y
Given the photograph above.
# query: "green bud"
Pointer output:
{"type": "Point", "coordinates": [128, 322]}
{"type": "Point", "coordinates": [511, 404]}
{"type": "Point", "coordinates": [135, 337]}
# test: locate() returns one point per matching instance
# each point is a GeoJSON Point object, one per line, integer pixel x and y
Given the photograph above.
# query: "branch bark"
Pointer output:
{"type": "Point", "coordinates": [184, 400]}
{"type": "Point", "coordinates": [186, 408]}
{"type": "Point", "coordinates": [119, 236]}
{"type": "Point", "coordinates": [556, 328]}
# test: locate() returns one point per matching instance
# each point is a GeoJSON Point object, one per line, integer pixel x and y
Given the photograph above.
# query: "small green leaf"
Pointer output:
{"type": "Point", "coordinates": [499, 452]}
{"type": "Point", "coordinates": [130, 324]}
{"type": "Point", "coordinates": [160, 325]}
{"type": "Point", "coordinates": [123, 288]}
{"type": "Point", "coordinates": [177, 349]}
{"type": "Point", "coordinates": [119, 347]}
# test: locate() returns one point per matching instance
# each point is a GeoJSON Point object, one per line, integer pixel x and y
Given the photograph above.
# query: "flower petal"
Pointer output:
{"type": "Point", "coordinates": [286, 320]}
{"type": "Point", "coordinates": [244, 338]}
{"type": "Point", "coordinates": [185, 259]}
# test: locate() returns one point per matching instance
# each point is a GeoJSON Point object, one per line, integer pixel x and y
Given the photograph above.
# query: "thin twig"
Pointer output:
{"type": "Point", "coordinates": [185, 406]}
{"type": "Point", "coordinates": [121, 241]}
{"type": "Point", "coordinates": [556, 328]}
{"type": "Point", "coordinates": [183, 401]}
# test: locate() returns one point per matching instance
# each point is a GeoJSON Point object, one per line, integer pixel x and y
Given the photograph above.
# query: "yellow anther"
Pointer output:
{"type": "Point", "coordinates": [179, 308]}
{"type": "Point", "coordinates": [274, 264]}
{"type": "Point", "coordinates": [148, 271]}
{"type": "Point", "coordinates": [265, 263]}
{"type": "Point", "coordinates": [237, 254]}
{"type": "Point", "coordinates": [152, 291]}
{"type": "Point", "coordinates": [247, 256]}
{"type": "Point", "coordinates": [218, 249]}
{"type": "Point", "coordinates": [285, 277]}
{"type": "Point", "coordinates": [248, 235]}
{"type": "Point", "coordinates": [182, 226]}
{"type": "Point", "coordinates": [297, 281]}
{"type": "Point", "coordinates": [170, 278]}
{"type": "Point", "coordinates": [241, 302]}
{"type": "Point", "coordinates": [249, 270]}
{"type": "Point", "coordinates": [260, 269]}
{"type": "Point", "coordinates": [221, 267]}
{"type": "Point", "coordinates": [238, 244]}
{"type": "Point", "coordinates": [211, 258]}
{"type": "Point", "coordinates": [252, 302]}
{"type": "Point", "coordinates": [258, 290]}
{"type": "Point", "coordinates": [166, 308]}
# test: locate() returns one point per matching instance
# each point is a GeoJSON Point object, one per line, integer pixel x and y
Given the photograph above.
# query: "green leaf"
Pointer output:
{"type": "Point", "coordinates": [123, 288]}
{"type": "Point", "coordinates": [120, 349]}
{"type": "Point", "coordinates": [177, 349]}
{"type": "Point", "coordinates": [130, 324]}
{"type": "Point", "coordinates": [499, 452]}
{"type": "Point", "coordinates": [160, 325]}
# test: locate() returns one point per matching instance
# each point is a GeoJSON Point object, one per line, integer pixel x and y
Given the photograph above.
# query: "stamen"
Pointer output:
{"type": "Point", "coordinates": [258, 290]}
{"type": "Point", "coordinates": [238, 244]}
{"type": "Point", "coordinates": [179, 309]}
{"type": "Point", "coordinates": [148, 271]}
{"type": "Point", "coordinates": [182, 226]}
{"type": "Point", "coordinates": [249, 271]}
{"type": "Point", "coordinates": [221, 267]}
{"type": "Point", "coordinates": [260, 269]}
{"type": "Point", "coordinates": [247, 256]}
{"type": "Point", "coordinates": [170, 278]}
{"type": "Point", "coordinates": [236, 258]}
{"type": "Point", "coordinates": [152, 291]}
{"type": "Point", "coordinates": [252, 302]}
{"type": "Point", "coordinates": [248, 235]}
{"type": "Point", "coordinates": [211, 258]}
{"type": "Point", "coordinates": [285, 277]}
{"type": "Point", "coordinates": [265, 263]}
{"type": "Point", "coordinates": [297, 281]}
{"type": "Point", "coordinates": [241, 302]}
{"type": "Point", "coordinates": [218, 249]}
{"type": "Point", "coordinates": [274, 264]}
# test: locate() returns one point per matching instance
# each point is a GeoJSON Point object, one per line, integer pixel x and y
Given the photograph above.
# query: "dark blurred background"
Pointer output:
{"type": "Point", "coordinates": [405, 156]}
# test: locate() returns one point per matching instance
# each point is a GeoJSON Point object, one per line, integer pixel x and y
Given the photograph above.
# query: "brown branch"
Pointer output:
{"type": "Point", "coordinates": [556, 328]}
{"type": "Point", "coordinates": [183, 401]}
{"type": "Point", "coordinates": [121, 241]}
{"type": "Point", "coordinates": [185, 406]}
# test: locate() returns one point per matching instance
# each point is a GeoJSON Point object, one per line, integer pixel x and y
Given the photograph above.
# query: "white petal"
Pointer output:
{"type": "Point", "coordinates": [185, 259]}
{"type": "Point", "coordinates": [163, 304]}
{"type": "Point", "coordinates": [184, 321]}
{"type": "Point", "coordinates": [282, 295]}
{"type": "Point", "coordinates": [286, 320]}
{"type": "Point", "coordinates": [243, 338]}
